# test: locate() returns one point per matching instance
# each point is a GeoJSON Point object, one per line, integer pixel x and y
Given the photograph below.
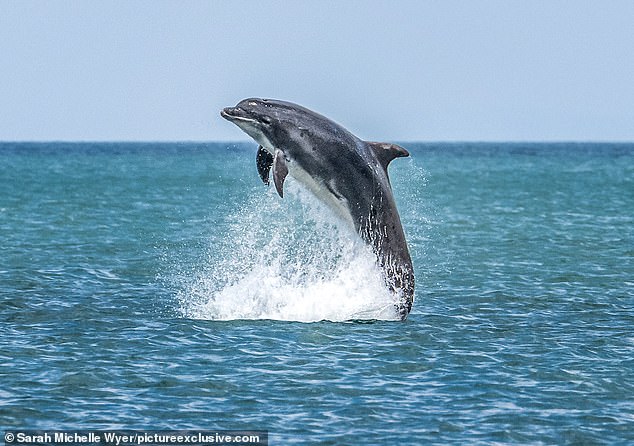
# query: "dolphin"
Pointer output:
{"type": "Point", "coordinates": [346, 173]}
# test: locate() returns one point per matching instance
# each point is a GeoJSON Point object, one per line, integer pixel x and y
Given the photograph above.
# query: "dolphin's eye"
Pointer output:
{"type": "Point", "coordinates": [266, 120]}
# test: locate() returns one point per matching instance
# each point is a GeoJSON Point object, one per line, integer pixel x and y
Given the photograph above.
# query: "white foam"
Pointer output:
{"type": "Point", "coordinates": [288, 259]}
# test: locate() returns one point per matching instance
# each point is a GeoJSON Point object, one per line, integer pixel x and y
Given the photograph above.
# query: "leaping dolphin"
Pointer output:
{"type": "Point", "coordinates": [346, 173]}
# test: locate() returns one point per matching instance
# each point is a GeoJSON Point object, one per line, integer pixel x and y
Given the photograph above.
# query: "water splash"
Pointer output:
{"type": "Point", "coordinates": [288, 259]}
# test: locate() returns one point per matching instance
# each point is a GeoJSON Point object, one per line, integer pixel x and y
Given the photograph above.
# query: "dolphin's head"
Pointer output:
{"type": "Point", "coordinates": [261, 119]}
{"type": "Point", "coordinates": [254, 117]}
{"type": "Point", "coordinates": [273, 123]}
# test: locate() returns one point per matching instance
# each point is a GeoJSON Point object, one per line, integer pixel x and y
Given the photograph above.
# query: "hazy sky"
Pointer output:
{"type": "Point", "coordinates": [387, 70]}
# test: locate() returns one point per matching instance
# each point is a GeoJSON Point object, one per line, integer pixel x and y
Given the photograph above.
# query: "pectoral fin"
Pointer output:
{"type": "Point", "coordinates": [280, 170]}
{"type": "Point", "coordinates": [264, 161]}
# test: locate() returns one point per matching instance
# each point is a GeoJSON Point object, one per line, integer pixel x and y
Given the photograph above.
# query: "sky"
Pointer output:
{"type": "Point", "coordinates": [445, 70]}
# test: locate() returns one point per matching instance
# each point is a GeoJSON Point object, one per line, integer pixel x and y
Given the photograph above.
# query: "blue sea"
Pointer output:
{"type": "Point", "coordinates": [163, 286]}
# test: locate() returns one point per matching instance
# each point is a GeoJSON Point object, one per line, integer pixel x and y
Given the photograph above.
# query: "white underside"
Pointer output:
{"type": "Point", "coordinates": [339, 206]}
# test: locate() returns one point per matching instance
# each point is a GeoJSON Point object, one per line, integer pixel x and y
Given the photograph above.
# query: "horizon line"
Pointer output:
{"type": "Point", "coordinates": [245, 141]}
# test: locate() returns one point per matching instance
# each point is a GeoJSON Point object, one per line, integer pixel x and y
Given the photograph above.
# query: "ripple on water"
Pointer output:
{"type": "Point", "coordinates": [521, 332]}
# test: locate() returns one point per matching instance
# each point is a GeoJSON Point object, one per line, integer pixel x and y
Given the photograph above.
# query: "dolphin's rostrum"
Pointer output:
{"type": "Point", "coordinates": [345, 172]}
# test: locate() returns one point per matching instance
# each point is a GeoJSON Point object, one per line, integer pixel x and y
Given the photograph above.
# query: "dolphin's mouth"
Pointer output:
{"type": "Point", "coordinates": [235, 114]}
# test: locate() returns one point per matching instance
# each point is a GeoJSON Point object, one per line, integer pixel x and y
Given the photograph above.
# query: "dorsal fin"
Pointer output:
{"type": "Point", "coordinates": [386, 152]}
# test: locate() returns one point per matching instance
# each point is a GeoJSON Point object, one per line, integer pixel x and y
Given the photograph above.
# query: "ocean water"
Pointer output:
{"type": "Point", "coordinates": [162, 286]}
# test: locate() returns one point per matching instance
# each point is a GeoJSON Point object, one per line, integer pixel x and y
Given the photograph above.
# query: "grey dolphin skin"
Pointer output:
{"type": "Point", "coordinates": [346, 173]}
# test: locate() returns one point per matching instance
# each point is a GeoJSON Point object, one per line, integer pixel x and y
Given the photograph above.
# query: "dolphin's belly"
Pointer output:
{"type": "Point", "coordinates": [317, 186]}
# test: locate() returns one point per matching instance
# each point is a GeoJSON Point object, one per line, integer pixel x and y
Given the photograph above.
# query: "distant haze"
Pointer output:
{"type": "Point", "coordinates": [387, 70]}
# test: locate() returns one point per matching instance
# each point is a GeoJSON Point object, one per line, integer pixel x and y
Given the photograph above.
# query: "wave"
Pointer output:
{"type": "Point", "coordinates": [291, 260]}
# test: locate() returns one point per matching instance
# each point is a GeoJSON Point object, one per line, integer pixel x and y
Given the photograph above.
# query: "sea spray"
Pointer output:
{"type": "Point", "coordinates": [287, 259]}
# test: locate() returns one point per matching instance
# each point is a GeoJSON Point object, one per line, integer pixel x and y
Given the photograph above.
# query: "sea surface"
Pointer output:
{"type": "Point", "coordinates": [163, 286]}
